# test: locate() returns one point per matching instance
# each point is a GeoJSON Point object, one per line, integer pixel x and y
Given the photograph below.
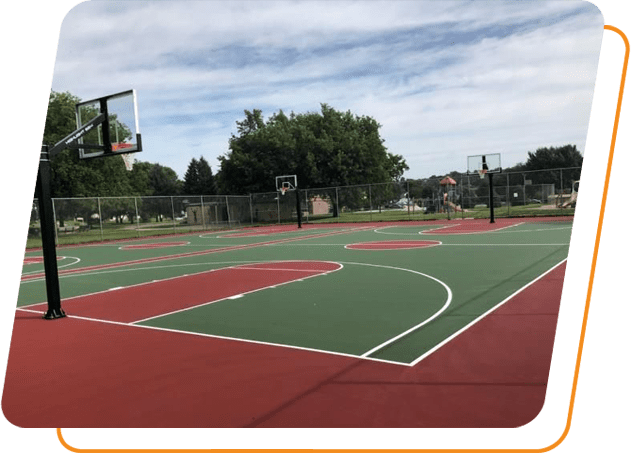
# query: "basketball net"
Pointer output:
{"type": "Point", "coordinates": [283, 190]}
{"type": "Point", "coordinates": [482, 172]}
{"type": "Point", "coordinates": [129, 161]}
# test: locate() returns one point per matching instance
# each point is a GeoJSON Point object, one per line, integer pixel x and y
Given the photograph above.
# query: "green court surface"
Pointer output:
{"type": "Point", "coordinates": [392, 304]}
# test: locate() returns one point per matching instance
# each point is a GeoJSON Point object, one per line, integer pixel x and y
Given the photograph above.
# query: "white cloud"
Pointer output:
{"type": "Point", "coordinates": [419, 68]}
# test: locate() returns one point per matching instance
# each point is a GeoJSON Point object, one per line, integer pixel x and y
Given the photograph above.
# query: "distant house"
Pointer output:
{"type": "Point", "coordinates": [206, 214]}
{"type": "Point", "coordinates": [318, 206]}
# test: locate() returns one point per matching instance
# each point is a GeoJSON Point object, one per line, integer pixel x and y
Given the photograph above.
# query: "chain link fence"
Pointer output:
{"type": "Point", "coordinates": [527, 193]}
{"type": "Point", "coordinates": [80, 220]}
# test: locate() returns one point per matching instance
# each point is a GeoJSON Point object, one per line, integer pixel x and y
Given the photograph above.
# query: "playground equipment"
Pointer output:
{"type": "Point", "coordinates": [448, 186]}
{"type": "Point", "coordinates": [571, 203]}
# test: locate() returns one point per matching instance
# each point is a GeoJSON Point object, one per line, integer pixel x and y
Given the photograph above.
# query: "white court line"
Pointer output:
{"type": "Point", "coordinates": [473, 232]}
{"type": "Point", "coordinates": [440, 228]}
{"type": "Point", "coordinates": [220, 337]}
{"type": "Point", "coordinates": [499, 230]}
{"type": "Point", "coordinates": [416, 361]}
{"type": "Point", "coordinates": [484, 315]}
{"type": "Point", "coordinates": [247, 292]}
{"type": "Point", "coordinates": [442, 243]}
{"type": "Point", "coordinates": [378, 230]}
{"type": "Point", "coordinates": [111, 271]}
{"type": "Point", "coordinates": [363, 356]}
{"type": "Point", "coordinates": [419, 325]}
{"type": "Point", "coordinates": [240, 234]}
{"type": "Point", "coordinates": [413, 245]}
{"type": "Point", "coordinates": [168, 266]}
{"type": "Point", "coordinates": [537, 229]}
{"type": "Point", "coordinates": [158, 245]}
{"type": "Point", "coordinates": [507, 245]}
{"type": "Point", "coordinates": [58, 267]}
{"type": "Point", "coordinates": [229, 248]}
{"type": "Point", "coordinates": [281, 269]}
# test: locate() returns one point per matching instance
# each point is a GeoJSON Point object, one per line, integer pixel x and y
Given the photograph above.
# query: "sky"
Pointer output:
{"type": "Point", "coordinates": [445, 79]}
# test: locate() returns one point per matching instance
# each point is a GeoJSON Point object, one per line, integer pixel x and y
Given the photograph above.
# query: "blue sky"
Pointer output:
{"type": "Point", "coordinates": [445, 79]}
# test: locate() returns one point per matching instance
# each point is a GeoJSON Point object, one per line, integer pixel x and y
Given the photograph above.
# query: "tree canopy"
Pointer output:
{"type": "Point", "coordinates": [199, 179]}
{"type": "Point", "coordinates": [555, 158]}
{"type": "Point", "coordinates": [548, 158]}
{"type": "Point", "coordinates": [324, 149]}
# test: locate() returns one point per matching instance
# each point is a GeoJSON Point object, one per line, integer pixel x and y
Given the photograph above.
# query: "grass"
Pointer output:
{"type": "Point", "coordinates": [113, 231]}
{"type": "Point", "coordinates": [532, 210]}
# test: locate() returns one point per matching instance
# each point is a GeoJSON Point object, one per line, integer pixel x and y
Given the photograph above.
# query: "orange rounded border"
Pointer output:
{"type": "Point", "coordinates": [580, 346]}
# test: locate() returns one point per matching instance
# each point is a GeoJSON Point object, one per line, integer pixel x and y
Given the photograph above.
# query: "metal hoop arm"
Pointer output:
{"type": "Point", "coordinates": [71, 139]}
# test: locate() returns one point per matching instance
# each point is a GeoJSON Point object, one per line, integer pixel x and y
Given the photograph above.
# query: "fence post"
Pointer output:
{"type": "Point", "coordinates": [461, 197]}
{"type": "Point", "coordinates": [337, 204]}
{"type": "Point", "coordinates": [137, 219]}
{"type": "Point", "coordinates": [370, 199]}
{"type": "Point", "coordinates": [228, 210]}
{"type": "Point", "coordinates": [98, 203]}
{"type": "Point", "coordinates": [173, 215]}
{"type": "Point", "coordinates": [251, 213]}
{"type": "Point", "coordinates": [468, 191]}
{"type": "Point", "coordinates": [407, 186]}
{"type": "Point", "coordinates": [507, 194]}
{"type": "Point", "coordinates": [201, 199]}
{"type": "Point", "coordinates": [562, 190]}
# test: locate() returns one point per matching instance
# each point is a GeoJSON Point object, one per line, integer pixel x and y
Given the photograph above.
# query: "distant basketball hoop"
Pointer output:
{"type": "Point", "coordinates": [287, 183]}
{"type": "Point", "coordinates": [484, 164]}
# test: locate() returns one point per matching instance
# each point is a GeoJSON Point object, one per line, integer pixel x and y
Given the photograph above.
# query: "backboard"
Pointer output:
{"type": "Point", "coordinates": [286, 182]}
{"type": "Point", "coordinates": [119, 134]}
{"type": "Point", "coordinates": [490, 162]}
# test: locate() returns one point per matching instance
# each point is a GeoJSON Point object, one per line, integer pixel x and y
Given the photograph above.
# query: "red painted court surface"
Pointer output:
{"type": "Point", "coordinates": [392, 245]}
{"type": "Point", "coordinates": [492, 375]}
{"type": "Point", "coordinates": [37, 259]}
{"type": "Point", "coordinates": [464, 226]}
{"type": "Point", "coordinates": [174, 294]}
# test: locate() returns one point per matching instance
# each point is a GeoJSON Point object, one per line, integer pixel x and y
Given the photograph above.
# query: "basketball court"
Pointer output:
{"type": "Point", "coordinates": [410, 324]}
{"type": "Point", "coordinates": [391, 324]}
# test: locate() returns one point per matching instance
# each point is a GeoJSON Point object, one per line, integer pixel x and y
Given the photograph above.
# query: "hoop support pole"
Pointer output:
{"type": "Point", "coordinates": [47, 224]}
{"type": "Point", "coordinates": [298, 210]}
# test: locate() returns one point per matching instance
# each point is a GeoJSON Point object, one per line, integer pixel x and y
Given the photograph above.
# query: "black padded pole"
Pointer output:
{"type": "Point", "coordinates": [47, 223]}
{"type": "Point", "coordinates": [298, 210]}
{"type": "Point", "coordinates": [491, 201]}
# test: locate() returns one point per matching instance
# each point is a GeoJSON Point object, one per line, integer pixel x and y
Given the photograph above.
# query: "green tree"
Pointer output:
{"type": "Point", "coordinates": [206, 178]}
{"type": "Point", "coordinates": [164, 181]}
{"type": "Point", "coordinates": [555, 158]}
{"type": "Point", "coordinates": [191, 178]}
{"type": "Point", "coordinates": [199, 179]}
{"type": "Point", "coordinates": [328, 148]}
{"type": "Point", "coordinates": [139, 179]}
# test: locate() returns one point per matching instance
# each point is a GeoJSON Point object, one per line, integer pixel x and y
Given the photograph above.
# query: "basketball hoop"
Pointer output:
{"type": "Point", "coordinates": [283, 190]}
{"type": "Point", "coordinates": [129, 161]}
{"type": "Point", "coordinates": [482, 172]}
